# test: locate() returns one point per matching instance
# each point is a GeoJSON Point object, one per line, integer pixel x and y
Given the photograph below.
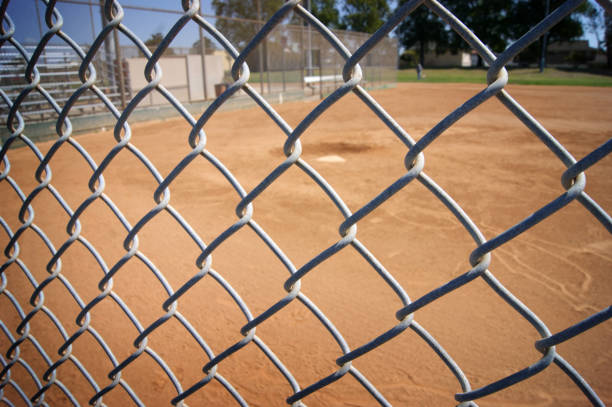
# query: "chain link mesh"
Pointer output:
{"type": "Point", "coordinates": [14, 341]}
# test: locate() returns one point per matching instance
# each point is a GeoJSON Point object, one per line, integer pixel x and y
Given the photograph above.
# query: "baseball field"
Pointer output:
{"type": "Point", "coordinates": [488, 162]}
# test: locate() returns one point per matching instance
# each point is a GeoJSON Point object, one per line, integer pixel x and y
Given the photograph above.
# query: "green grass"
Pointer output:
{"type": "Point", "coordinates": [277, 77]}
{"type": "Point", "coordinates": [370, 75]}
{"type": "Point", "coordinates": [522, 76]}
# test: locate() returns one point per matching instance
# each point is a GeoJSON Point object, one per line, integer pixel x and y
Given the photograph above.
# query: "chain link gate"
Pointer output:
{"type": "Point", "coordinates": [573, 181]}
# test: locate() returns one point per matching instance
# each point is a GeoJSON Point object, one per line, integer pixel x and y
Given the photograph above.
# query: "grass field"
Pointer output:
{"type": "Point", "coordinates": [523, 76]}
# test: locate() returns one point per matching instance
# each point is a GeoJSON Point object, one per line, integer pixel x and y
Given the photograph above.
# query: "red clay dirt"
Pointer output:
{"type": "Point", "coordinates": [489, 162]}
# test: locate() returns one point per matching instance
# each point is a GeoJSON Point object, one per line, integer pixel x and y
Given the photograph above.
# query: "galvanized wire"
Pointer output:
{"type": "Point", "coordinates": [573, 183]}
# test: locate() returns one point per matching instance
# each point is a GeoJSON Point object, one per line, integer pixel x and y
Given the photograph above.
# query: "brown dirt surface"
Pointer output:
{"type": "Point", "coordinates": [489, 162]}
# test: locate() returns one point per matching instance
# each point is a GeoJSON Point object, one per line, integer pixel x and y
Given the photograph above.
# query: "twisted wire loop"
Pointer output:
{"type": "Point", "coordinates": [573, 182]}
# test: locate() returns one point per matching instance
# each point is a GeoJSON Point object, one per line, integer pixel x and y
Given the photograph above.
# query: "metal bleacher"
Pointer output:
{"type": "Point", "coordinates": [59, 76]}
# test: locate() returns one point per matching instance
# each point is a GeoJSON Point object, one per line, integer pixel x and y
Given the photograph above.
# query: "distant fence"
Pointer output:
{"type": "Point", "coordinates": [335, 50]}
{"type": "Point", "coordinates": [197, 73]}
{"type": "Point", "coordinates": [59, 74]}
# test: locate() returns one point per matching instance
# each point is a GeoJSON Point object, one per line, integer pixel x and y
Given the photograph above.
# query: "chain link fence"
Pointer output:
{"type": "Point", "coordinates": [293, 62]}
{"type": "Point", "coordinates": [59, 74]}
{"type": "Point", "coordinates": [70, 334]}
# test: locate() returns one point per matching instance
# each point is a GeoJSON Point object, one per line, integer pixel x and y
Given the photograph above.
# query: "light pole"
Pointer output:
{"type": "Point", "coordinates": [260, 50]}
{"type": "Point", "coordinates": [544, 40]}
{"type": "Point", "coordinates": [309, 54]}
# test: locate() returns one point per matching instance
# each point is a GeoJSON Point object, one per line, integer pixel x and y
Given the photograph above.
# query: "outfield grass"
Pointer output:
{"type": "Point", "coordinates": [523, 76]}
{"type": "Point", "coordinates": [277, 77]}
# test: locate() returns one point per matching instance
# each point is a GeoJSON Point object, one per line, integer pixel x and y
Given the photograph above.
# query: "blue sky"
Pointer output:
{"type": "Point", "coordinates": [77, 20]}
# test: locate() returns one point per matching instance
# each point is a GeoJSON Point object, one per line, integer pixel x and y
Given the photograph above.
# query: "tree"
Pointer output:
{"type": "Point", "coordinates": [326, 12]}
{"type": "Point", "coordinates": [496, 22]}
{"type": "Point", "coordinates": [210, 47]}
{"type": "Point", "coordinates": [153, 42]}
{"type": "Point", "coordinates": [595, 23]}
{"type": "Point", "coordinates": [527, 13]}
{"type": "Point", "coordinates": [364, 15]}
{"type": "Point", "coordinates": [422, 28]}
{"type": "Point", "coordinates": [238, 31]}
{"type": "Point", "coordinates": [599, 24]}
{"type": "Point", "coordinates": [489, 20]}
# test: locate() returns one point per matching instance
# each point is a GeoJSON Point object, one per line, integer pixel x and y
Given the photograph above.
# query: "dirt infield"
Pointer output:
{"type": "Point", "coordinates": [488, 162]}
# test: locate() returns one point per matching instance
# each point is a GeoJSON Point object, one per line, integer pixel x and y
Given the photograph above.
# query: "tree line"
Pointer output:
{"type": "Point", "coordinates": [496, 22]}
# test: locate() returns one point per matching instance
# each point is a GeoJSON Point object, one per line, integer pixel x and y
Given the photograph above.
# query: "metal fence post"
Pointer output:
{"type": "Point", "coordinates": [544, 40]}
{"type": "Point", "coordinates": [108, 58]}
{"type": "Point", "coordinates": [260, 49]}
{"type": "Point", "coordinates": [187, 78]}
{"type": "Point", "coordinates": [302, 56]}
{"type": "Point", "coordinates": [283, 67]}
{"type": "Point", "coordinates": [119, 67]}
{"type": "Point", "coordinates": [267, 65]}
{"type": "Point", "coordinates": [320, 67]}
{"type": "Point", "coordinates": [203, 56]}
